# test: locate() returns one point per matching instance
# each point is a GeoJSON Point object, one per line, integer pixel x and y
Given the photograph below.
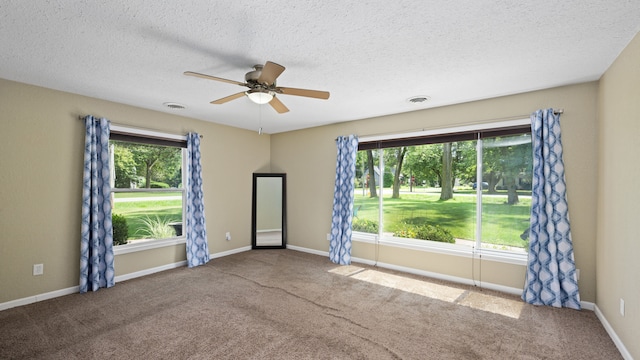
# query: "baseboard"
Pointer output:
{"type": "Point", "coordinates": [586, 305]}
{"type": "Point", "coordinates": [150, 271]}
{"type": "Point", "coordinates": [229, 252]}
{"type": "Point", "coordinates": [612, 334]}
{"type": "Point", "coordinates": [505, 289]}
{"type": "Point", "coordinates": [455, 279]}
{"type": "Point", "coordinates": [307, 250]}
{"type": "Point", "coordinates": [35, 298]}
{"type": "Point", "coordinates": [75, 289]}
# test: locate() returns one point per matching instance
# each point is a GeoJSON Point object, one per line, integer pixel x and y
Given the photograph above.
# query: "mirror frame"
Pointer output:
{"type": "Point", "coordinates": [254, 244]}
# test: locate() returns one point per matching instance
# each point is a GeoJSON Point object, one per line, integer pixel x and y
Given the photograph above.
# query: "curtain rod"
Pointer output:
{"type": "Point", "coordinates": [556, 112]}
{"type": "Point", "coordinates": [80, 117]}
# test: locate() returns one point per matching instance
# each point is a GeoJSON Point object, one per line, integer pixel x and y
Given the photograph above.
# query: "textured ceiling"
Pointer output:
{"type": "Point", "coordinates": [371, 55]}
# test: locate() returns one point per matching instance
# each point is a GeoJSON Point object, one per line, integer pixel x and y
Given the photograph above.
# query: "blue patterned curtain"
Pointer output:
{"type": "Point", "coordinates": [96, 243]}
{"type": "Point", "coordinates": [551, 272]}
{"type": "Point", "coordinates": [197, 247]}
{"type": "Point", "coordinates": [340, 246]}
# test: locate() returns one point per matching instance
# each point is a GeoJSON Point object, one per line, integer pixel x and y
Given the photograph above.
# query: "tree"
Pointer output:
{"type": "Point", "coordinates": [372, 175]}
{"type": "Point", "coordinates": [124, 167]}
{"type": "Point", "coordinates": [447, 179]}
{"type": "Point", "coordinates": [507, 158]}
{"type": "Point", "coordinates": [464, 161]}
{"type": "Point", "coordinates": [400, 153]}
{"type": "Point", "coordinates": [425, 163]}
{"type": "Point", "coordinates": [155, 163]}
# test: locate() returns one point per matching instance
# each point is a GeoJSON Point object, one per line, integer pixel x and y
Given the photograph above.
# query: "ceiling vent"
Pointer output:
{"type": "Point", "coordinates": [418, 99]}
{"type": "Point", "coordinates": [174, 106]}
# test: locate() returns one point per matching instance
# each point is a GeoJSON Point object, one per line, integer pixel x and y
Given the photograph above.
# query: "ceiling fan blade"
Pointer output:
{"type": "Point", "coordinates": [228, 98]}
{"type": "Point", "coordinates": [270, 72]}
{"type": "Point", "coordinates": [304, 92]}
{"type": "Point", "coordinates": [209, 77]}
{"type": "Point", "coordinates": [278, 106]}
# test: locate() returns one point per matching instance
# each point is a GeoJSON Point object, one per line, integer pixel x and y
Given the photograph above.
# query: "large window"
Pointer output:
{"type": "Point", "coordinates": [470, 189]}
{"type": "Point", "coordinates": [147, 187]}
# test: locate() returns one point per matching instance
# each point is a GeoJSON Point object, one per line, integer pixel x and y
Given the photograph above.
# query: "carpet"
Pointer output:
{"type": "Point", "coordinates": [284, 304]}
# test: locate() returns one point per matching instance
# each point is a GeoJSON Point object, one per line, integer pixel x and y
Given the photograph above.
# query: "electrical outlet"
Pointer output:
{"type": "Point", "coordinates": [38, 269]}
{"type": "Point", "coordinates": [328, 237]}
{"type": "Point", "coordinates": [622, 306]}
{"type": "Point", "coordinates": [577, 274]}
{"type": "Point", "coordinates": [227, 236]}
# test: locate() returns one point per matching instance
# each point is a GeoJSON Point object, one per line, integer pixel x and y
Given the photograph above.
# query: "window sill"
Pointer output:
{"type": "Point", "coordinates": [443, 248]}
{"type": "Point", "coordinates": [142, 245]}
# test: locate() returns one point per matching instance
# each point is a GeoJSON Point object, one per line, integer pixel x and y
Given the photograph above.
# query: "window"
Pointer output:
{"type": "Point", "coordinates": [461, 187]}
{"type": "Point", "coordinates": [148, 194]}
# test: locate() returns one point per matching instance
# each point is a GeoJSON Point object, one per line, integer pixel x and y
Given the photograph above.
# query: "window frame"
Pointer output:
{"type": "Point", "coordinates": [152, 137]}
{"type": "Point", "coordinates": [401, 139]}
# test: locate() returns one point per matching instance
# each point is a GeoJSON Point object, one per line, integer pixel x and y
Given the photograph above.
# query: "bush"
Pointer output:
{"type": "Point", "coordinates": [120, 229]}
{"type": "Point", "coordinates": [425, 232]}
{"type": "Point", "coordinates": [157, 228]}
{"type": "Point", "coordinates": [159, 185]}
{"type": "Point", "coordinates": [364, 225]}
{"type": "Point", "coordinates": [387, 180]}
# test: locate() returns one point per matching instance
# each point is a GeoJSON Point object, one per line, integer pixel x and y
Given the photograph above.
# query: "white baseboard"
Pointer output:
{"type": "Point", "coordinates": [75, 289]}
{"type": "Point", "coordinates": [409, 270]}
{"type": "Point", "coordinates": [229, 252]}
{"type": "Point", "coordinates": [150, 271]}
{"type": "Point", "coordinates": [506, 289]}
{"type": "Point", "coordinates": [35, 298]}
{"type": "Point", "coordinates": [307, 250]}
{"type": "Point", "coordinates": [612, 334]}
{"type": "Point", "coordinates": [455, 279]}
{"type": "Point", "coordinates": [178, 264]}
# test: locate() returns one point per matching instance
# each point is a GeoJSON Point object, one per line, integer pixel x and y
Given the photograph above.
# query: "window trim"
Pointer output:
{"type": "Point", "coordinates": [125, 133]}
{"type": "Point", "coordinates": [492, 129]}
{"type": "Point", "coordinates": [443, 248]}
{"type": "Point", "coordinates": [440, 131]}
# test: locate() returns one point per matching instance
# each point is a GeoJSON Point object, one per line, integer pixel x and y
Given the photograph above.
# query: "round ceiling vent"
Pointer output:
{"type": "Point", "coordinates": [174, 106]}
{"type": "Point", "coordinates": [418, 99]}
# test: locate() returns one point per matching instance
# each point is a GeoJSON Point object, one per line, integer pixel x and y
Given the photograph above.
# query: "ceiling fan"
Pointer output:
{"type": "Point", "coordinates": [262, 87]}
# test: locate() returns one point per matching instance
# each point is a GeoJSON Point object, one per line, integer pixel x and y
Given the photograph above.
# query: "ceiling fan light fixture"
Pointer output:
{"type": "Point", "coordinates": [259, 96]}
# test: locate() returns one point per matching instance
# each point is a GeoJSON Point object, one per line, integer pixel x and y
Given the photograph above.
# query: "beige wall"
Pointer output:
{"type": "Point", "coordinates": [41, 156]}
{"type": "Point", "coordinates": [308, 158]}
{"type": "Point", "coordinates": [618, 242]}
{"type": "Point", "coordinates": [41, 171]}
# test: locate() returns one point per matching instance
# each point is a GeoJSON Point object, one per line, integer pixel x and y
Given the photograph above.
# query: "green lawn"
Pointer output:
{"type": "Point", "coordinates": [144, 194]}
{"type": "Point", "coordinates": [502, 223]}
{"type": "Point", "coordinates": [137, 211]}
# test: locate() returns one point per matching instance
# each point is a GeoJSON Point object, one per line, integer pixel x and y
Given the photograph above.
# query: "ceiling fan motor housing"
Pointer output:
{"type": "Point", "coordinates": [251, 78]}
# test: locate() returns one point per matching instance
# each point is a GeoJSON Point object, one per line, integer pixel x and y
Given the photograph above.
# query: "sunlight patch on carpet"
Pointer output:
{"type": "Point", "coordinates": [418, 287]}
{"type": "Point", "coordinates": [484, 302]}
{"type": "Point", "coordinates": [346, 270]}
{"type": "Point", "coordinates": [493, 304]}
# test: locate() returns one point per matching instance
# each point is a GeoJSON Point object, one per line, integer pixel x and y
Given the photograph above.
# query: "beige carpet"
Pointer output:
{"type": "Point", "coordinates": [283, 304]}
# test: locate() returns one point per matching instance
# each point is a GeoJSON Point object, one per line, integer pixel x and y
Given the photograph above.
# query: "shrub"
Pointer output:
{"type": "Point", "coordinates": [425, 232]}
{"type": "Point", "coordinates": [387, 179]}
{"type": "Point", "coordinates": [120, 229]}
{"type": "Point", "coordinates": [364, 225]}
{"type": "Point", "coordinates": [159, 185]}
{"type": "Point", "coordinates": [157, 228]}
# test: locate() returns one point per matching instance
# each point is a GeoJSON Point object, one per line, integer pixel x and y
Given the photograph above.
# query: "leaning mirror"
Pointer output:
{"type": "Point", "coordinates": [268, 228]}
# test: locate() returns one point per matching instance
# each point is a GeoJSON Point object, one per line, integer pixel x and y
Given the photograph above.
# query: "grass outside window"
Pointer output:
{"type": "Point", "coordinates": [141, 208]}
{"type": "Point", "coordinates": [458, 215]}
